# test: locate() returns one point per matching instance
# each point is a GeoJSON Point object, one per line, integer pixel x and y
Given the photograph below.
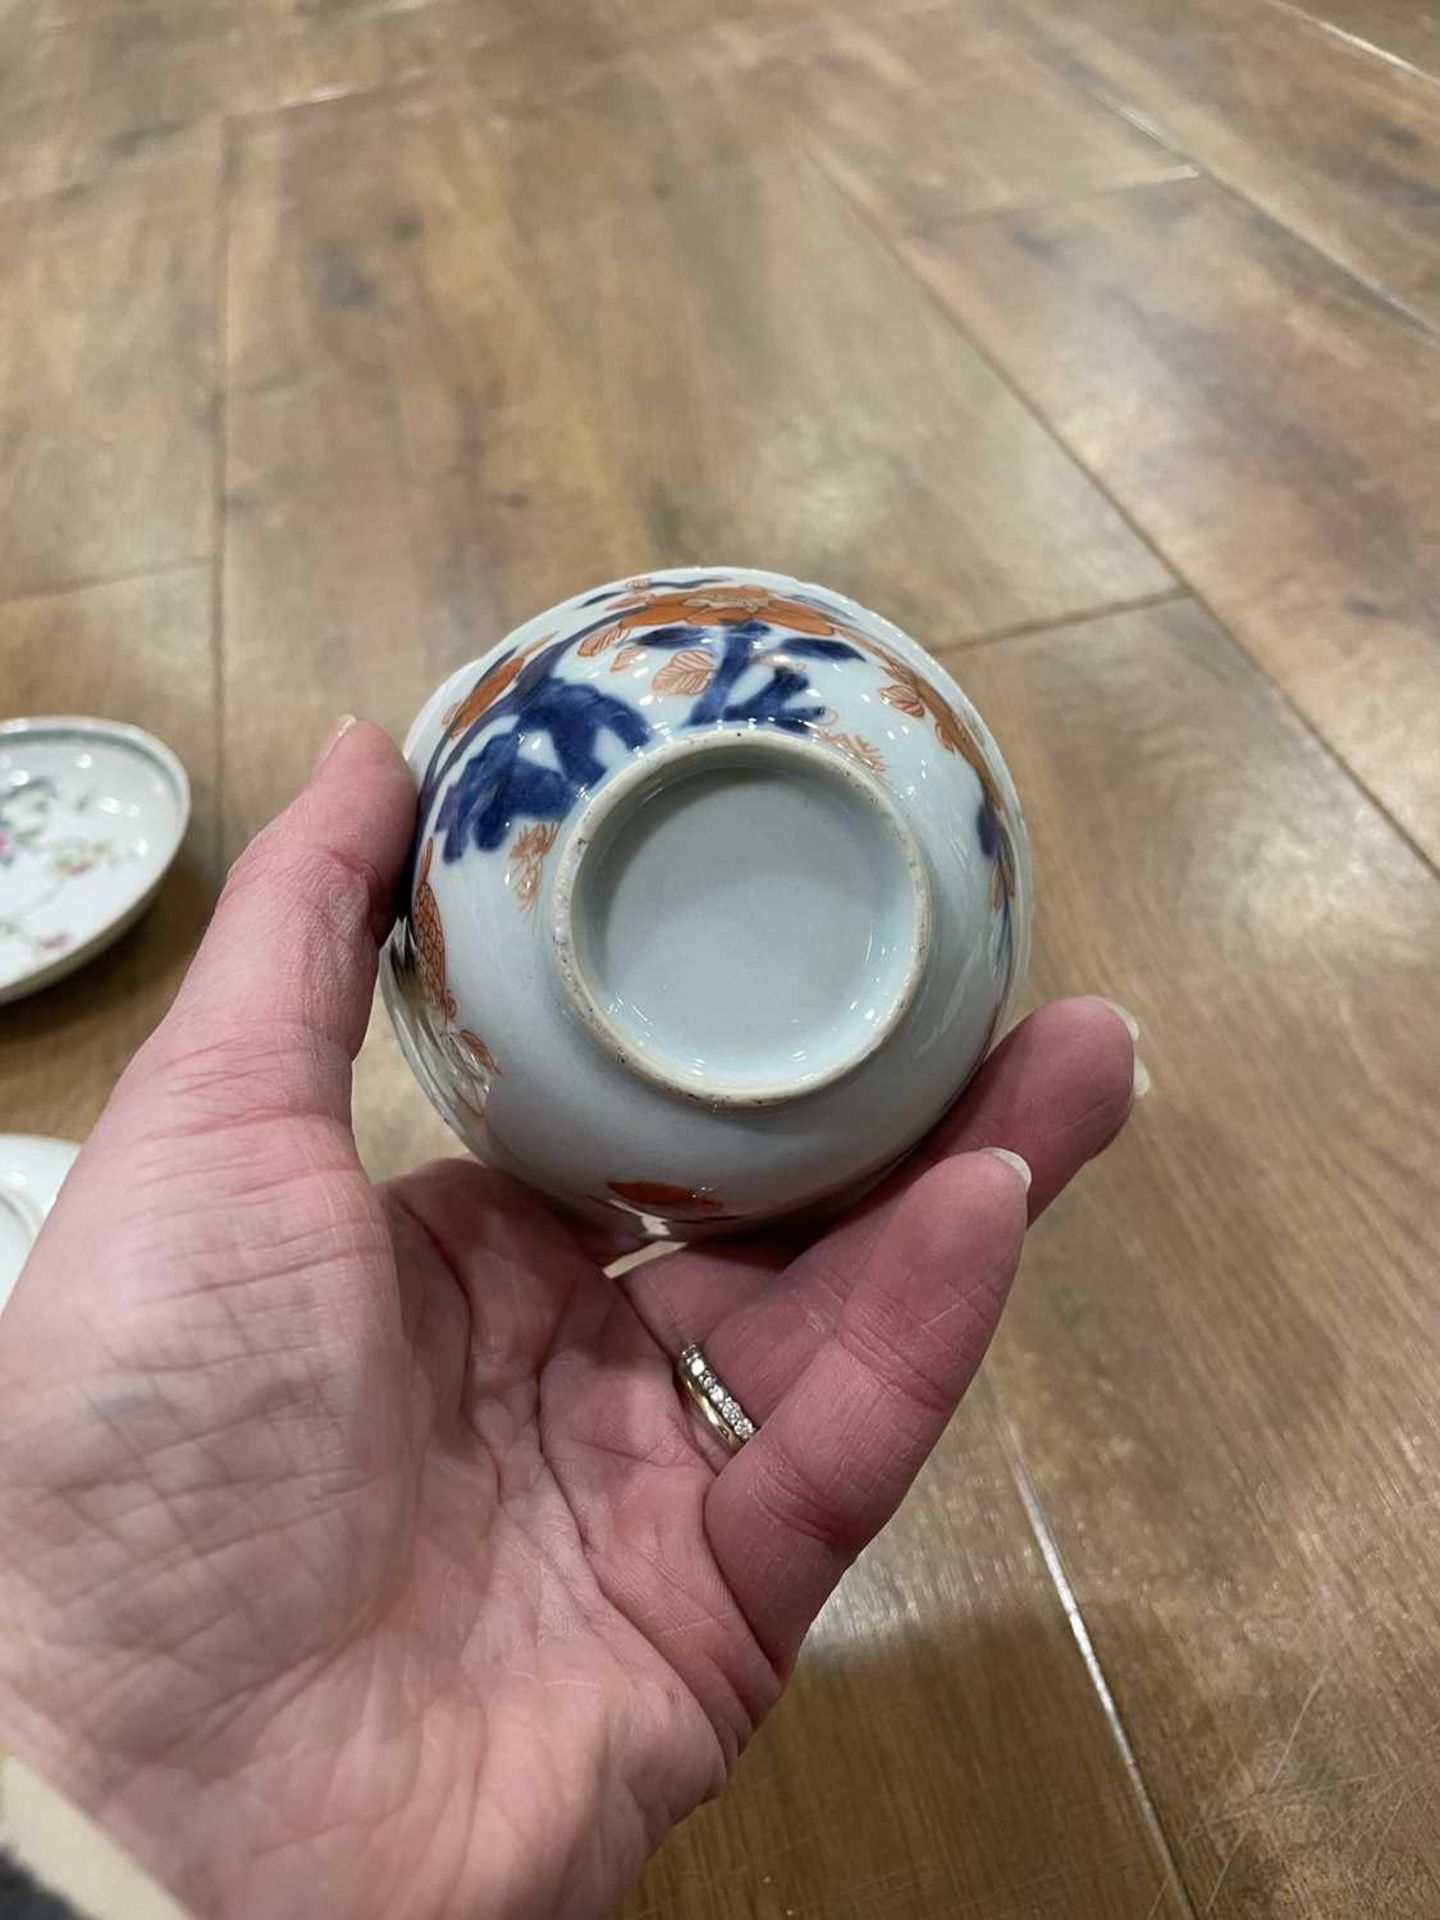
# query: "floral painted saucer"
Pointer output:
{"type": "Point", "coordinates": [92, 812]}
{"type": "Point", "coordinates": [32, 1171]}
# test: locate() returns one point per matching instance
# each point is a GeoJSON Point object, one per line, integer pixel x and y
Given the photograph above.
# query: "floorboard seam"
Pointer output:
{"type": "Point", "coordinates": [1075, 1619]}
{"type": "Point", "coordinates": [1152, 546]}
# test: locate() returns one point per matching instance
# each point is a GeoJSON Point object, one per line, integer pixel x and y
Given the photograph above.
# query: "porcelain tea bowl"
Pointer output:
{"type": "Point", "coordinates": [719, 894]}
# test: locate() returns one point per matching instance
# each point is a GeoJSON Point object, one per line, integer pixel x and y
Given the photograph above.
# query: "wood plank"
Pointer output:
{"type": "Point", "coordinates": [921, 118]}
{"type": "Point", "coordinates": [121, 85]}
{"type": "Point", "coordinates": [521, 55]}
{"type": "Point", "coordinates": [1339, 146]}
{"type": "Point", "coordinates": [1265, 421]}
{"type": "Point", "coordinates": [51, 146]}
{"type": "Point", "coordinates": [1407, 30]}
{"type": "Point", "coordinates": [941, 1750]}
{"type": "Point", "coordinates": [410, 469]}
{"type": "Point", "coordinates": [769, 386]}
{"type": "Point", "coordinates": [107, 316]}
{"type": "Point", "coordinates": [1220, 1355]}
{"type": "Point", "coordinates": [139, 650]}
{"type": "Point", "coordinates": [572, 145]}
{"type": "Point", "coordinates": [451, 397]}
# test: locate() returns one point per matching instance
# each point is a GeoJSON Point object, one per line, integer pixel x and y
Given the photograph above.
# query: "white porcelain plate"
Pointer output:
{"type": "Point", "coordinates": [92, 813]}
{"type": "Point", "coordinates": [32, 1170]}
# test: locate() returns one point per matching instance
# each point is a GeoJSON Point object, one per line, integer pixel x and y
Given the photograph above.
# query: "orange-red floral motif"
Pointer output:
{"type": "Point", "coordinates": [659, 1197]}
{"type": "Point", "coordinates": [527, 857]}
{"type": "Point", "coordinates": [687, 672]}
{"type": "Point", "coordinates": [904, 700]}
{"type": "Point", "coordinates": [855, 748]}
{"type": "Point", "coordinates": [479, 1053]}
{"type": "Point", "coordinates": [477, 1069]}
{"type": "Point", "coordinates": [489, 687]}
{"type": "Point", "coordinates": [598, 641]}
{"type": "Point", "coordinates": [912, 694]}
{"type": "Point", "coordinates": [430, 940]}
{"type": "Point", "coordinates": [710, 607]}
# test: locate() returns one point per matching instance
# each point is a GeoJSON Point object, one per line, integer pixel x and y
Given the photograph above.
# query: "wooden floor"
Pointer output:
{"type": "Point", "coordinates": [1098, 341]}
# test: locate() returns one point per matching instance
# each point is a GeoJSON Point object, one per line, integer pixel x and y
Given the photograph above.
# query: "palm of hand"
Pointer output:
{"type": "Point", "coordinates": [366, 1524]}
{"type": "Point", "coordinates": [351, 1565]}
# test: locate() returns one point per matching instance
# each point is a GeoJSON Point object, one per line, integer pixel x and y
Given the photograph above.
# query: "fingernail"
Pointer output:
{"type": "Point", "coordinates": [341, 728]}
{"type": "Point", "coordinates": [1132, 1025]}
{"type": "Point", "coordinates": [1011, 1160]}
{"type": "Point", "coordinates": [1142, 1080]}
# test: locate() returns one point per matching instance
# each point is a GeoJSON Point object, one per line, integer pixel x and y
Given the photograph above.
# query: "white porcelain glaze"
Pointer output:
{"type": "Point", "coordinates": [32, 1170]}
{"type": "Point", "coordinates": [721, 889]}
{"type": "Point", "coordinates": [92, 813]}
{"type": "Point", "coordinates": [635, 899]}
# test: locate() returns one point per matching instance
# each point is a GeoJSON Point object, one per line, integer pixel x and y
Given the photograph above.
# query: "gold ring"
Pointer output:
{"type": "Point", "coordinates": [721, 1410]}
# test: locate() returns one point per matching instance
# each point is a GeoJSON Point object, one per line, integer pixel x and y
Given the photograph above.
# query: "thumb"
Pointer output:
{"type": "Point", "coordinates": [275, 1004]}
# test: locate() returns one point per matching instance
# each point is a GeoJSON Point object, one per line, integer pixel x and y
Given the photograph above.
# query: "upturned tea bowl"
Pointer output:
{"type": "Point", "coordinates": [719, 894]}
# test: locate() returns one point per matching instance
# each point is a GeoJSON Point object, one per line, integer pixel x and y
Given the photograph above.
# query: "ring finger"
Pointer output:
{"type": "Point", "coordinates": [1055, 1092]}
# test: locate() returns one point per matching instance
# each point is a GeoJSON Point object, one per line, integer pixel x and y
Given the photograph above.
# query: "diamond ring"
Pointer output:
{"type": "Point", "coordinates": [721, 1410]}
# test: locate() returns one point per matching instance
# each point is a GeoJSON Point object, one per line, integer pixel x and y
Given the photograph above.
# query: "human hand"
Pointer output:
{"type": "Point", "coordinates": [358, 1555]}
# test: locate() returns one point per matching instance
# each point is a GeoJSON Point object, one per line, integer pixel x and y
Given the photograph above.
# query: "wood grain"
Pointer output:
{"type": "Point", "coordinates": [410, 466]}
{"type": "Point", "coordinates": [410, 469]}
{"type": "Point", "coordinates": [425, 438]}
{"type": "Point", "coordinates": [925, 117]}
{"type": "Point", "coordinates": [107, 313]}
{"type": "Point", "coordinates": [139, 650]}
{"type": "Point", "coordinates": [453, 397]}
{"type": "Point", "coordinates": [523, 55]}
{"type": "Point", "coordinates": [1271, 430]}
{"type": "Point", "coordinates": [941, 1750]}
{"type": "Point", "coordinates": [625, 136]}
{"type": "Point", "coordinates": [1341, 147]}
{"type": "Point", "coordinates": [1406, 30]}
{"type": "Point", "coordinates": [1220, 1356]}
{"type": "Point", "coordinates": [769, 386]}
{"type": "Point", "coordinates": [141, 73]}
{"type": "Point", "coordinates": [50, 146]}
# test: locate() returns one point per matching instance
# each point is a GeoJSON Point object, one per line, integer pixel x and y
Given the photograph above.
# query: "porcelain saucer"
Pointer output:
{"type": "Point", "coordinates": [92, 813]}
{"type": "Point", "coordinates": [32, 1170]}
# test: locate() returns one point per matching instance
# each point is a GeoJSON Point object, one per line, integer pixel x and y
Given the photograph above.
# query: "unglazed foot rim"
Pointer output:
{"type": "Point", "coordinates": [840, 808]}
